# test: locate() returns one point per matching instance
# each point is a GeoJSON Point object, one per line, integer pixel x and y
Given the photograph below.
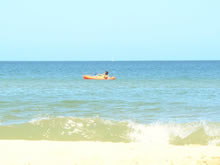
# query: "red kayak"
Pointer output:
{"type": "Point", "coordinates": [88, 77]}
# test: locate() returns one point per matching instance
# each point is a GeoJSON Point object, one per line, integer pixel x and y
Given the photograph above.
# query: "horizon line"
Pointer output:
{"type": "Point", "coordinates": [103, 60]}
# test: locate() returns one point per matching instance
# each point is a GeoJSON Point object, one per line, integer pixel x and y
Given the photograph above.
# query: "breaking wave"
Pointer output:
{"type": "Point", "coordinates": [98, 129]}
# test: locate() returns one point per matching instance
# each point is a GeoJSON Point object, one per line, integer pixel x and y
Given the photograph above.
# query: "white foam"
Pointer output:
{"type": "Point", "coordinates": [37, 120]}
{"type": "Point", "coordinates": [161, 133]}
{"type": "Point", "coordinates": [153, 133]}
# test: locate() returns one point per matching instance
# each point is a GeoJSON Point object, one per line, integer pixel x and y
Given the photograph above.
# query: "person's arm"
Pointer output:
{"type": "Point", "coordinates": [100, 74]}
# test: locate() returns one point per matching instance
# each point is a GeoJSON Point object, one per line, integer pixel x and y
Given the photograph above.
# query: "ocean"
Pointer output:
{"type": "Point", "coordinates": [161, 102]}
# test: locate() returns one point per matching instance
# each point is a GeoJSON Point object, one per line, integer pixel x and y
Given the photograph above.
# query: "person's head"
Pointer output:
{"type": "Point", "coordinates": [106, 72]}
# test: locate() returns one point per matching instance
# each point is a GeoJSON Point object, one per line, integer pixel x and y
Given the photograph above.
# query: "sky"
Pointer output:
{"type": "Point", "coordinates": [73, 30]}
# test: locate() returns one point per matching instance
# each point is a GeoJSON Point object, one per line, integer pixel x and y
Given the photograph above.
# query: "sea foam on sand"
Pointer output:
{"type": "Point", "coordinates": [22, 152]}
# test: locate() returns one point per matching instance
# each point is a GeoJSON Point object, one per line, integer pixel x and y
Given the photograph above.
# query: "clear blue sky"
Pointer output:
{"type": "Point", "coordinates": [106, 30]}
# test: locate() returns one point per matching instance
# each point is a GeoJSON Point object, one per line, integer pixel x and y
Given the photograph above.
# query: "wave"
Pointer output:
{"type": "Point", "coordinates": [98, 129]}
{"type": "Point", "coordinates": [201, 133]}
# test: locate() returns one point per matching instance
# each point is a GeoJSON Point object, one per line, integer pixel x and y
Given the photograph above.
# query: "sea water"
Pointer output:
{"type": "Point", "coordinates": [167, 102]}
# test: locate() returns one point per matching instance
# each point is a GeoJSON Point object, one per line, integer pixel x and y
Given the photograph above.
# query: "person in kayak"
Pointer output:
{"type": "Point", "coordinates": [104, 75]}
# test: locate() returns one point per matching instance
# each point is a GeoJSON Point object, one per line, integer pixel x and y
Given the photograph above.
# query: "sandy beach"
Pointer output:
{"type": "Point", "coordinates": [19, 152]}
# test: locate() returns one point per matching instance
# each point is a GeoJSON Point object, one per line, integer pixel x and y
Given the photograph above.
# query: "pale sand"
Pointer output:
{"type": "Point", "coordinates": [16, 152]}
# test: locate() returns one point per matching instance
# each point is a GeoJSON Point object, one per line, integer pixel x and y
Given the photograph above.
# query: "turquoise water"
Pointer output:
{"type": "Point", "coordinates": [178, 101]}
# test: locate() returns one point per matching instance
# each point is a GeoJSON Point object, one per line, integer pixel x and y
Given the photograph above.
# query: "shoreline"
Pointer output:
{"type": "Point", "coordinates": [24, 152]}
